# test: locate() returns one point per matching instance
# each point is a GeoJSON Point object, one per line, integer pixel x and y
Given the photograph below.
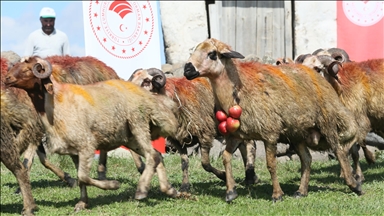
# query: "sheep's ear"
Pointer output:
{"type": "Point", "coordinates": [231, 54]}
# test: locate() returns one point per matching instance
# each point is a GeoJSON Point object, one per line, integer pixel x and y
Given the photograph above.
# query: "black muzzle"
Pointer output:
{"type": "Point", "coordinates": [189, 71]}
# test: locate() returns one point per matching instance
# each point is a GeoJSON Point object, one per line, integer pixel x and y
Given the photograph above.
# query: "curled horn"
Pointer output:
{"type": "Point", "coordinates": [159, 79]}
{"type": "Point", "coordinates": [300, 59]}
{"type": "Point", "coordinates": [339, 54]}
{"type": "Point", "coordinates": [331, 64]}
{"type": "Point", "coordinates": [318, 51]}
{"type": "Point", "coordinates": [42, 65]}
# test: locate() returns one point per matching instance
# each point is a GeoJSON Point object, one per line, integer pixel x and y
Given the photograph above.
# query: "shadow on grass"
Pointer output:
{"type": "Point", "coordinates": [94, 201]}
{"type": "Point", "coordinates": [11, 208]}
{"type": "Point", "coordinates": [262, 190]}
{"type": "Point", "coordinates": [40, 184]}
{"type": "Point", "coordinates": [155, 197]}
{"type": "Point", "coordinates": [335, 169]}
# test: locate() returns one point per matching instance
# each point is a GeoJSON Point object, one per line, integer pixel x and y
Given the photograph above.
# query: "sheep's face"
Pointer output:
{"type": "Point", "coordinates": [151, 79]}
{"type": "Point", "coordinates": [314, 63]}
{"type": "Point", "coordinates": [141, 78]}
{"type": "Point", "coordinates": [21, 75]}
{"type": "Point", "coordinates": [208, 59]}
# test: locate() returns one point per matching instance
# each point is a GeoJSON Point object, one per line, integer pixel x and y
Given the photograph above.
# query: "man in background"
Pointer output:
{"type": "Point", "coordinates": [47, 41]}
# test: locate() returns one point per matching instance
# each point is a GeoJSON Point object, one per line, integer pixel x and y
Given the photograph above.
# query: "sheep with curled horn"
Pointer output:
{"type": "Point", "coordinates": [78, 119]}
{"type": "Point", "coordinates": [336, 53]}
{"type": "Point", "coordinates": [196, 118]}
{"type": "Point", "coordinates": [317, 63]}
{"type": "Point", "coordinates": [280, 104]}
{"type": "Point", "coordinates": [20, 129]}
{"type": "Point", "coordinates": [359, 85]}
{"type": "Point", "coordinates": [65, 69]}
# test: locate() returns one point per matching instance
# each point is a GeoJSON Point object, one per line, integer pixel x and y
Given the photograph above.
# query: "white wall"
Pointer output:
{"type": "Point", "coordinates": [314, 26]}
{"type": "Point", "coordinates": [184, 25]}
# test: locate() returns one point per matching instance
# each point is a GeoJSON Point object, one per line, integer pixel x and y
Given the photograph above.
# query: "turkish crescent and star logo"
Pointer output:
{"type": "Point", "coordinates": [123, 28]}
{"type": "Point", "coordinates": [364, 13]}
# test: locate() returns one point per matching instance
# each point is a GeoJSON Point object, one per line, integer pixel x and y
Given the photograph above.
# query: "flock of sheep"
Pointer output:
{"type": "Point", "coordinates": [321, 101]}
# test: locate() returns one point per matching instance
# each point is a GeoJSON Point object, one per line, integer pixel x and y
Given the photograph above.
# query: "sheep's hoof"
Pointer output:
{"type": "Point", "coordinates": [357, 189]}
{"type": "Point", "coordinates": [298, 194]}
{"type": "Point", "coordinates": [252, 180]}
{"type": "Point", "coordinates": [231, 195]}
{"type": "Point", "coordinates": [113, 185]}
{"type": "Point", "coordinates": [80, 206]}
{"type": "Point", "coordinates": [280, 198]}
{"type": "Point", "coordinates": [172, 192]}
{"type": "Point", "coordinates": [72, 182]}
{"type": "Point", "coordinates": [29, 211]}
{"type": "Point", "coordinates": [140, 195]}
{"type": "Point", "coordinates": [185, 187]}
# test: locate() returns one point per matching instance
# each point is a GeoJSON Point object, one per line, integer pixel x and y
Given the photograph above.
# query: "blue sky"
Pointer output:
{"type": "Point", "coordinates": [20, 18]}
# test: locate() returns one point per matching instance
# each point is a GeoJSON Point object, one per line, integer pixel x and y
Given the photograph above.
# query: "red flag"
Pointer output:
{"type": "Point", "coordinates": [158, 144]}
{"type": "Point", "coordinates": [360, 29]}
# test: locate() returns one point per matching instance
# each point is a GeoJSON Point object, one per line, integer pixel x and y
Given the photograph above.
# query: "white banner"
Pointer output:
{"type": "Point", "coordinates": [126, 35]}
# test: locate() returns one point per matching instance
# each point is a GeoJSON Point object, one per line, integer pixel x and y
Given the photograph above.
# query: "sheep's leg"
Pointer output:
{"type": "Point", "coordinates": [185, 185]}
{"type": "Point", "coordinates": [85, 164]}
{"type": "Point", "coordinates": [28, 161]}
{"type": "Point", "coordinates": [102, 166]}
{"type": "Point", "coordinates": [83, 203]}
{"type": "Point", "coordinates": [60, 173]}
{"type": "Point", "coordinates": [85, 159]}
{"type": "Point", "coordinates": [369, 156]}
{"type": "Point", "coordinates": [306, 160]}
{"type": "Point", "coordinates": [20, 172]}
{"type": "Point", "coordinates": [152, 161]}
{"type": "Point", "coordinates": [29, 155]}
{"type": "Point", "coordinates": [165, 186]}
{"type": "Point", "coordinates": [206, 163]}
{"type": "Point", "coordinates": [352, 183]}
{"type": "Point", "coordinates": [248, 153]}
{"type": "Point", "coordinates": [140, 165]}
{"type": "Point", "coordinates": [358, 173]}
{"type": "Point", "coordinates": [270, 151]}
{"type": "Point", "coordinates": [231, 146]}
{"type": "Point", "coordinates": [356, 163]}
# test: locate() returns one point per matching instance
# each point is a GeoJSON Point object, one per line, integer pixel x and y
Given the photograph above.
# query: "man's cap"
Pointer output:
{"type": "Point", "coordinates": [47, 12]}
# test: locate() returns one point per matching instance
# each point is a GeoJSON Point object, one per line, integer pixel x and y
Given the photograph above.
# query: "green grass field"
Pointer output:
{"type": "Point", "coordinates": [328, 194]}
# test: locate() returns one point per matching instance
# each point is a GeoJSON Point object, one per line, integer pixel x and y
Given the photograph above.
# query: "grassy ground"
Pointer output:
{"type": "Point", "coordinates": [328, 194]}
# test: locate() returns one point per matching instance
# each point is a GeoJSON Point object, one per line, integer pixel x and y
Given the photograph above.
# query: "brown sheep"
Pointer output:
{"type": "Point", "coordinates": [196, 117]}
{"type": "Point", "coordinates": [20, 128]}
{"type": "Point", "coordinates": [78, 119]}
{"type": "Point", "coordinates": [341, 56]}
{"type": "Point", "coordinates": [280, 104]}
{"type": "Point", "coordinates": [360, 88]}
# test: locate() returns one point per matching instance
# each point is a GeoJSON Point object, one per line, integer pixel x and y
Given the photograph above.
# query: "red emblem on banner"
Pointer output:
{"type": "Point", "coordinates": [123, 28]}
{"type": "Point", "coordinates": [360, 29]}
